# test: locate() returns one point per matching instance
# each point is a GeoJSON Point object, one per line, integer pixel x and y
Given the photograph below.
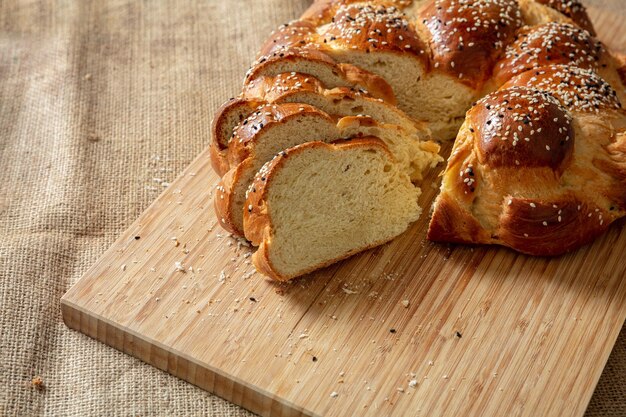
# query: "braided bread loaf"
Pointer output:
{"type": "Point", "coordinates": [536, 97]}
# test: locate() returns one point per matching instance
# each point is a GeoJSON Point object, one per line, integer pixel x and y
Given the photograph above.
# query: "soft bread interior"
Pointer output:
{"type": "Point", "coordinates": [433, 97]}
{"type": "Point", "coordinates": [306, 128]}
{"type": "Point", "coordinates": [412, 155]}
{"type": "Point", "coordinates": [340, 103]}
{"type": "Point", "coordinates": [327, 203]}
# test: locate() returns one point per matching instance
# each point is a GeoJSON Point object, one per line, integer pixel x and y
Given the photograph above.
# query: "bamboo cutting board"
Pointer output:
{"type": "Point", "coordinates": [411, 328]}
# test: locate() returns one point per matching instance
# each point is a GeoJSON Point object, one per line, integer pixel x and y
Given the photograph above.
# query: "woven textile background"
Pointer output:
{"type": "Point", "coordinates": [102, 103]}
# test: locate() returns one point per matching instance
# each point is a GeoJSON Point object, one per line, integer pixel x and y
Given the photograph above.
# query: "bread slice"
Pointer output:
{"type": "Point", "coordinates": [297, 88]}
{"type": "Point", "coordinates": [318, 203]}
{"type": "Point", "coordinates": [320, 65]}
{"type": "Point", "coordinates": [278, 127]}
{"type": "Point", "coordinates": [258, 138]}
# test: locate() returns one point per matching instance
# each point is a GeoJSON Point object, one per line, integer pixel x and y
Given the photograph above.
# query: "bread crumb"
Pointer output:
{"type": "Point", "coordinates": [93, 137]}
{"type": "Point", "coordinates": [413, 383]}
{"type": "Point", "coordinates": [179, 267]}
{"type": "Point", "coordinates": [405, 303]}
{"type": "Point", "coordinates": [334, 394]}
{"type": "Point", "coordinates": [37, 382]}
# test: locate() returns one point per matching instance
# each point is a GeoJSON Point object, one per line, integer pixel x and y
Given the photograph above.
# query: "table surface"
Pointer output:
{"type": "Point", "coordinates": [101, 103]}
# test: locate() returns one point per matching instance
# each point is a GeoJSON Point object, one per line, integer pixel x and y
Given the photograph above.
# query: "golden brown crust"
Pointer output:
{"type": "Point", "coordinates": [264, 64]}
{"type": "Point", "coordinates": [295, 34]}
{"type": "Point", "coordinates": [622, 74]}
{"type": "Point", "coordinates": [541, 206]}
{"type": "Point", "coordinates": [577, 89]}
{"type": "Point", "coordinates": [523, 128]}
{"type": "Point", "coordinates": [260, 91]}
{"type": "Point", "coordinates": [272, 88]}
{"type": "Point", "coordinates": [467, 36]}
{"type": "Point", "coordinates": [222, 202]}
{"type": "Point", "coordinates": [257, 219]}
{"type": "Point", "coordinates": [548, 44]}
{"type": "Point", "coordinates": [228, 116]}
{"type": "Point", "coordinates": [450, 223]}
{"type": "Point", "coordinates": [322, 11]}
{"type": "Point", "coordinates": [257, 223]}
{"type": "Point", "coordinates": [262, 121]}
{"type": "Point", "coordinates": [613, 163]}
{"type": "Point", "coordinates": [345, 75]}
{"type": "Point", "coordinates": [530, 226]}
{"type": "Point", "coordinates": [573, 9]}
{"type": "Point", "coordinates": [549, 228]}
{"type": "Point", "coordinates": [354, 25]}
{"type": "Point", "coordinates": [373, 28]}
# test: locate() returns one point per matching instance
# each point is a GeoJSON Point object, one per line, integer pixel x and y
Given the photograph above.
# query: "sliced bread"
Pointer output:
{"type": "Point", "coordinates": [318, 203]}
{"type": "Point", "coordinates": [321, 66]}
{"type": "Point", "coordinates": [297, 88]}
{"type": "Point", "coordinates": [278, 127]}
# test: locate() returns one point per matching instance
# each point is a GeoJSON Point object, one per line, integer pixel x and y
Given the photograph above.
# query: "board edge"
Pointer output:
{"type": "Point", "coordinates": [177, 364]}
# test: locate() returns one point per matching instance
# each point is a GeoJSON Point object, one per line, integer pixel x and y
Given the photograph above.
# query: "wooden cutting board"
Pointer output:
{"type": "Point", "coordinates": [408, 329]}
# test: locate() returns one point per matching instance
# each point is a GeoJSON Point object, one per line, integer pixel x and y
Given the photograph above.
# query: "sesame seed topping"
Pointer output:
{"type": "Point", "coordinates": [371, 27]}
{"type": "Point", "coordinates": [551, 43]}
{"type": "Point", "coordinates": [507, 120]}
{"type": "Point", "coordinates": [576, 88]}
{"type": "Point", "coordinates": [467, 32]}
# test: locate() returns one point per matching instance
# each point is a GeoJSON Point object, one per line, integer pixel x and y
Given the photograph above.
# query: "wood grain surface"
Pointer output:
{"type": "Point", "coordinates": [410, 328]}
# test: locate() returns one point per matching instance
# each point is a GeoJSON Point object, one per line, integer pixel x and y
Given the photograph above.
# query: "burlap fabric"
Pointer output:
{"type": "Point", "coordinates": [101, 104]}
